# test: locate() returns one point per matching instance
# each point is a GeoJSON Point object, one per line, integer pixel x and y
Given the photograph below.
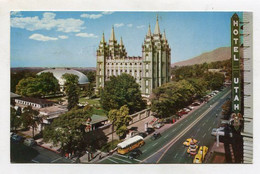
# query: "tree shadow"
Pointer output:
{"type": "Point", "coordinates": [21, 153]}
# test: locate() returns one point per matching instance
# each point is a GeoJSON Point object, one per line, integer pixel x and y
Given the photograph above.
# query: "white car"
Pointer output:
{"type": "Point", "coordinates": [158, 125]}
{"type": "Point", "coordinates": [190, 107]}
{"type": "Point", "coordinates": [29, 142]}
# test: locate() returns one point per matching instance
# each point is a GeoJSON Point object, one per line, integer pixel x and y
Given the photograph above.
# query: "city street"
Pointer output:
{"type": "Point", "coordinates": [169, 147]}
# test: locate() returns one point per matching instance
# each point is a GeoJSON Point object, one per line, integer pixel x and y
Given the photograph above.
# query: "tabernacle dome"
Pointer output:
{"type": "Point", "coordinates": [58, 72]}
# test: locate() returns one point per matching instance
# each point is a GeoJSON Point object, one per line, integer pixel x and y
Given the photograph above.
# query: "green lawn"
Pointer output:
{"type": "Point", "coordinates": [83, 100]}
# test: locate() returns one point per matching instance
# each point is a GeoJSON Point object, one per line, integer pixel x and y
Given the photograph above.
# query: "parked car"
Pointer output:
{"type": "Point", "coordinates": [29, 142]}
{"type": "Point", "coordinates": [155, 136]}
{"type": "Point", "coordinates": [142, 134]}
{"type": "Point", "coordinates": [190, 107]}
{"type": "Point", "coordinates": [16, 138]}
{"type": "Point", "coordinates": [135, 153]}
{"type": "Point", "coordinates": [203, 150]}
{"type": "Point", "coordinates": [186, 110]}
{"type": "Point", "coordinates": [197, 159]}
{"type": "Point", "coordinates": [196, 103]}
{"type": "Point", "coordinates": [149, 130]}
{"type": "Point", "coordinates": [158, 125]}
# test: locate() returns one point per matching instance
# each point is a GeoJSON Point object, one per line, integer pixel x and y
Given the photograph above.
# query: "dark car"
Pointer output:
{"type": "Point", "coordinates": [135, 154]}
{"type": "Point", "coordinates": [149, 130]}
{"type": "Point", "coordinates": [142, 134]}
{"type": "Point", "coordinates": [16, 138]}
{"type": "Point", "coordinates": [155, 136]}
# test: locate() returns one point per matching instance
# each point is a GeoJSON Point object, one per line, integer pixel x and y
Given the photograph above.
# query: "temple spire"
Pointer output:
{"type": "Point", "coordinates": [157, 29]}
{"type": "Point", "coordinates": [121, 41]}
{"type": "Point", "coordinates": [103, 38]}
{"type": "Point", "coordinates": [112, 37]}
{"type": "Point", "coordinates": [149, 33]}
{"type": "Point", "coordinates": [164, 36]}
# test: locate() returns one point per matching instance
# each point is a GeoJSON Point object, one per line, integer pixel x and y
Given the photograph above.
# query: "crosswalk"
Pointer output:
{"type": "Point", "coordinates": [120, 159]}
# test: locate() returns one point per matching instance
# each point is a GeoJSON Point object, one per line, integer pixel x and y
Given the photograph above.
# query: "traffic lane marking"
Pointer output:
{"type": "Point", "coordinates": [34, 161]}
{"type": "Point", "coordinates": [204, 135]}
{"type": "Point", "coordinates": [155, 144]}
{"type": "Point", "coordinates": [166, 136]}
{"type": "Point", "coordinates": [127, 157]}
{"type": "Point", "coordinates": [56, 160]}
{"type": "Point", "coordinates": [122, 160]}
{"type": "Point", "coordinates": [113, 161]}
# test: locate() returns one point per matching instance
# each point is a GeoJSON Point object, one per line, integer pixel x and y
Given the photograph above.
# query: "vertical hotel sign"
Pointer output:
{"type": "Point", "coordinates": [235, 45]}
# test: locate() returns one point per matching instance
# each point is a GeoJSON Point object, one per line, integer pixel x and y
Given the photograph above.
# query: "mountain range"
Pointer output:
{"type": "Point", "coordinates": [219, 54]}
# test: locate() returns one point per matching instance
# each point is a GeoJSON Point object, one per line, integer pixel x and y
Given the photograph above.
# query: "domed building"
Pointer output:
{"type": "Point", "coordinates": [58, 73]}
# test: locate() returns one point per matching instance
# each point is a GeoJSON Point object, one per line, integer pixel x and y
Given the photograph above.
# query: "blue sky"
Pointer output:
{"type": "Point", "coordinates": [70, 39]}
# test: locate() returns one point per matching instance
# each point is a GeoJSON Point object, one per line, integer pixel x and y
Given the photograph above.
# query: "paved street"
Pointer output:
{"type": "Point", "coordinates": [169, 148]}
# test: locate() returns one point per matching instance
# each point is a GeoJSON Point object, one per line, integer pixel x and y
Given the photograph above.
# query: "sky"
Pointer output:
{"type": "Point", "coordinates": [70, 39]}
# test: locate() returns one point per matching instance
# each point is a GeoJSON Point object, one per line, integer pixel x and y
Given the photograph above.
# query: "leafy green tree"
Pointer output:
{"type": "Point", "coordinates": [120, 119]}
{"type": "Point", "coordinates": [91, 76]}
{"type": "Point", "coordinates": [226, 109]}
{"type": "Point", "coordinates": [49, 84]}
{"type": "Point", "coordinates": [215, 80]}
{"type": "Point", "coordinates": [29, 118]}
{"type": "Point", "coordinates": [72, 89]}
{"type": "Point", "coordinates": [41, 85]}
{"type": "Point", "coordinates": [119, 91]}
{"type": "Point", "coordinates": [16, 76]}
{"type": "Point", "coordinates": [68, 130]}
{"type": "Point", "coordinates": [169, 98]}
{"type": "Point", "coordinates": [15, 120]}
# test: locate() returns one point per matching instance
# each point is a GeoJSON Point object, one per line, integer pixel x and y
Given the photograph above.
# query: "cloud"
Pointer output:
{"type": "Point", "coordinates": [91, 16]}
{"type": "Point", "coordinates": [47, 22]}
{"type": "Point", "coordinates": [140, 26]}
{"type": "Point", "coordinates": [119, 25]}
{"type": "Point", "coordinates": [63, 37]}
{"type": "Point", "coordinates": [96, 16]}
{"type": "Point", "coordinates": [86, 35]}
{"type": "Point", "coordinates": [107, 12]}
{"type": "Point", "coordinates": [129, 25]}
{"type": "Point", "coordinates": [40, 37]}
{"type": "Point", "coordinates": [16, 13]}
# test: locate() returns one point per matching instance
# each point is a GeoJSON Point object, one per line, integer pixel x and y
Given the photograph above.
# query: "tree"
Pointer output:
{"type": "Point", "coordinates": [68, 130]}
{"type": "Point", "coordinates": [41, 85]}
{"type": "Point", "coordinates": [30, 118]}
{"type": "Point", "coordinates": [16, 76]}
{"type": "Point", "coordinates": [169, 98]}
{"type": "Point", "coordinates": [120, 119]}
{"type": "Point", "coordinates": [119, 91]}
{"type": "Point", "coordinates": [71, 89]}
{"type": "Point", "coordinates": [49, 84]}
{"type": "Point", "coordinates": [226, 109]}
{"type": "Point", "coordinates": [215, 80]}
{"type": "Point", "coordinates": [15, 120]}
{"type": "Point", "coordinates": [91, 76]}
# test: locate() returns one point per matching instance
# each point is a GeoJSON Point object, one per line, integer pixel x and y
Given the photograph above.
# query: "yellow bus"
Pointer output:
{"type": "Point", "coordinates": [130, 144]}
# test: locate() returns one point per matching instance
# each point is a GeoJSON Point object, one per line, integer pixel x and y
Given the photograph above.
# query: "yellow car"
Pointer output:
{"type": "Point", "coordinates": [197, 159]}
{"type": "Point", "coordinates": [188, 141]}
{"type": "Point", "coordinates": [200, 156]}
{"type": "Point", "coordinates": [203, 151]}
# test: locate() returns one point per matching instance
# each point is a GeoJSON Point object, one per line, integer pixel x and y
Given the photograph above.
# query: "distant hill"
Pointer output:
{"type": "Point", "coordinates": [219, 54]}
